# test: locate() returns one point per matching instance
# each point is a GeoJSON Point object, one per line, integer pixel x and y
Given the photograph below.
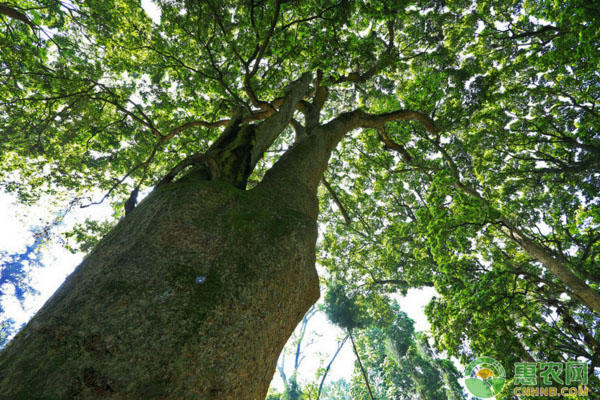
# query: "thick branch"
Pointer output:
{"type": "Point", "coordinates": [300, 170]}
{"type": "Point", "coordinates": [14, 14]}
{"type": "Point", "coordinates": [397, 147]}
{"type": "Point", "coordinates": [258, 116]}
{"type": "Point", "coordinates": [379, 120]}
{"type": "Point", "coordinates": [299, 130]}
{"type": "Point", "coordinates": [193, 159]}
{"type": "Point", "coordinates": [580, 289]}
{"type": "Point", "coordinates": [346, 122]}
{"type": "Point", "coordinates": [268, 130]}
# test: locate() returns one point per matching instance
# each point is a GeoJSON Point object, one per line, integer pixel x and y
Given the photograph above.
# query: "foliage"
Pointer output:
{"type": "Point", "coordinates": [273, 395]}
{"type": "Point", "coordinates": [292, 390]}
{"type": "Point", "coordinates": [7, 329]}
{"type": "Point", "coordinates": [337, 390]}
{"type": "Point", "coordinates": [496, 205]}
{"type": "Point", "coordinates": [343, 310]}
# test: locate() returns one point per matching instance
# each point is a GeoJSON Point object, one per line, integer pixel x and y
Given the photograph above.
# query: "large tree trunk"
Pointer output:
{"type": "Point", "coordinates": [194, 293]}
{"type": "Point", "coordinates": [191, 296]}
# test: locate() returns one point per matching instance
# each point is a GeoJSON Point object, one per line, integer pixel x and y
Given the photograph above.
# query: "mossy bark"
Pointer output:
{"type": "Point", "coordinates": [194, 293]}
{"type": "Point", "coordinates": [191, 296]}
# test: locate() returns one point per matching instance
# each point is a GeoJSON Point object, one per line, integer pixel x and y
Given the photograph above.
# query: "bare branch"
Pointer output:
{"type": "Point", "coordinates": [378, 120]}
{"type": "Point", "coordinates": [268, 130]}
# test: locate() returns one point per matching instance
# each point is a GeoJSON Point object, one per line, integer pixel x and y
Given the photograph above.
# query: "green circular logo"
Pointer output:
{"type": "Point", "coordinates": [485, 377]}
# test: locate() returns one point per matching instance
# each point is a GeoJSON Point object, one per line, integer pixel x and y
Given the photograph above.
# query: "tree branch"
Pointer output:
{"type": "Point", "coordinates": [382, 61]}
{"type": "Point", "coordinates": [120, 181]}
{"type": "Point", "coordinates": [581, 290]}
{"type": "Point", "coordinates": [299, 130]}
{"type": "Point", "coordinates": [391, 145]}
{"type": "Point", "coordinates": [268, 130]}
{"type": "Point", "coordinates": [337, 201]}
{"type": "Point", "coordinates": [14, 14]}
{"type": "Point", "coordinates": [329, 365]}
{"type": "Point", "coordinates": [378, 120]}
{"type": "Point", "coordinates": [257, 56]}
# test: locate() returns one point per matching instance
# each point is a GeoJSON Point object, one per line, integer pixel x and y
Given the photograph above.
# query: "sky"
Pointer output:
{"type": "Point", "coordinates": [17, 223]}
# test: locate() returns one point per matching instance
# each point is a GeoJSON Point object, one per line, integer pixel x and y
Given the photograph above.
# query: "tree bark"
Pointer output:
{"type": "Point", "coordinates": [579, 288]}
{"type": "Point", "coordinates": [192, 295]}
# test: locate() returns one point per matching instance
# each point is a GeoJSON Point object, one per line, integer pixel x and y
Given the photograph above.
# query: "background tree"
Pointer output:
{"type": "Point", "coordinates": [401, 363]}
{"type": "Point", "coordinates": [338, 390]}
{"type": "Point", "coordinates": [296, 347]}
{"type": "Point", "coordinates": [348, 313]}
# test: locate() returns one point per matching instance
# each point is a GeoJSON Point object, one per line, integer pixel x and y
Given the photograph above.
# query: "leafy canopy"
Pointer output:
{"type": "Point", "coordinates": [497, 207]}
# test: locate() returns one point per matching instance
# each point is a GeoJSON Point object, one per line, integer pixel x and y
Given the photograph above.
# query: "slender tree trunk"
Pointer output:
{"type": "Point", "coordinates": [340, 345]}
{"type": "Point", "coordinates": [362, 369]}
{"type": "Point", "coordinates": [586, 294]}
